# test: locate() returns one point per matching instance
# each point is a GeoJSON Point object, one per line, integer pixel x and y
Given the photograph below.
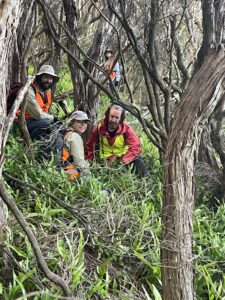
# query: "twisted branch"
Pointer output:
{"type": "Point", "coordinates": [34, 243]}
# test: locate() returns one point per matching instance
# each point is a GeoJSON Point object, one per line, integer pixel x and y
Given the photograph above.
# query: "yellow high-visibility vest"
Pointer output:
{"type": "Point", "coordinates": [119, 148]}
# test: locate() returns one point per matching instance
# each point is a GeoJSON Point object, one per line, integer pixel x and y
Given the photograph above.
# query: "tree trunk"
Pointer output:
{"type": "Point", "coordinates": [197, 104]}
{"type": "Point", "coordinates": [71, 21]}
{"type": "Point", "coordinates": [10, 12]}
{"type": "Point", "coordinates": [22, 43]}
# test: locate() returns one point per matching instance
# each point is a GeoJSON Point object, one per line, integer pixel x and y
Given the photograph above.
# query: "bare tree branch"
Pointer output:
{"type": "Point", "coordinates": [110, 95]}
{"type": "Point", "coordinates": [37, 251]}
{"type": "Point", "coordinates": [15, 107]}
{"type": "Point", "coordinates": [61, 203]}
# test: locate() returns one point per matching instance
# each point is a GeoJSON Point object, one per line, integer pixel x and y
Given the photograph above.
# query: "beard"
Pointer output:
{"type": "Point", "coordinates": [112, 125]}
{"type": "Point", "coordinates": [45, 86]}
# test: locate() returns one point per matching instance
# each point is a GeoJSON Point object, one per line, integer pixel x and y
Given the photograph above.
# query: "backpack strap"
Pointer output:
{"type": "Point", "coordinates": [67, 133]}
{"type": "Point", "coordinates": [64, 133]}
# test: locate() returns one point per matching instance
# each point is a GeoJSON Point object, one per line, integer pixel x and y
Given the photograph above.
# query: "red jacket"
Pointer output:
{"type": "Point", "coordinates": [131, 140]}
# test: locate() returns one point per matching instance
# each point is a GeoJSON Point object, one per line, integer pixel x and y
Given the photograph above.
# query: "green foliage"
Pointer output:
{"type": "Point", "coordinates": [113, 252]}
{"type": "Point", "coordinates": [209, 247]}
{"type": "Point", "coordinates": [65, 83]}
{"type": "Point", "coordinates": [31, 70]}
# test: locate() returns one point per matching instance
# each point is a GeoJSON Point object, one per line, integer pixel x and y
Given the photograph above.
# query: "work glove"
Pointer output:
{"type": "Point", "coordinates": [116, 83]}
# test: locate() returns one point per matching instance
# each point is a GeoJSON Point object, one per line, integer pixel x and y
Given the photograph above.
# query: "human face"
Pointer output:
{"type": "Point", "coordinates": [46, 81]}
{"type": "Point", "coordinates": [114, 119]}
{"type": "Point", "coordinates": [108, 54]}
{"type": "Point", "coordinates": [79, 126]}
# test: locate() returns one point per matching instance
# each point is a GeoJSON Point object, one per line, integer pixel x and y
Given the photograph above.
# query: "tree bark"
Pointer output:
{"type": "Point", "coordinates": [10, 12]}
{"type": "Point", "coordinates": [22, 43]}
{"type": "Point", "coordinates": [71, 21]}
{"type": "Point", "coordinates": [191, 114]}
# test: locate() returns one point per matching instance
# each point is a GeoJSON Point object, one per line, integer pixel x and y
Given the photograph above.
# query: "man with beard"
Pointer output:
{"type": "Point", "coordinates": [115, 141]}
{"type": "Point", "coordinates": [39, 100]}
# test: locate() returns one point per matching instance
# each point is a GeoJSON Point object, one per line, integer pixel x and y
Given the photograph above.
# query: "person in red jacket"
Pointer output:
{"type": "Point", "coordinates": [114, 140]}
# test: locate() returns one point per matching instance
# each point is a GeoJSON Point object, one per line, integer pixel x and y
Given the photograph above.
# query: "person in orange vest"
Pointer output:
{"type": "Point", "coordinates": [115, 74]}
{"type": "Point", "coordinates": [114, 140]}
{"type": "Point", "coordinates": [74, 162]}
{"type": "Point", "coordinates": [39, 100]}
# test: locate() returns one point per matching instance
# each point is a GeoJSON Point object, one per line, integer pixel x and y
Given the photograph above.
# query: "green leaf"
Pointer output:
{"type": "Point", "coordinates": [146, 294]}
{"type": "Point", "coordinates": [60, 248]}
{"type": "Point", "coordinates": [22, 277]}
{"type": "Point", "coordinates": [16, 249]}
{"type": "Point", "coordinates": [155, 292]}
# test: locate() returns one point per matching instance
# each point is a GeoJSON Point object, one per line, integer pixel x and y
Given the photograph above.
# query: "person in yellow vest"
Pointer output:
{"type": "Point", "coordinates": [114, 140]}
{"type": "Point", "coordinates": [115, 74]}
{"type": "Point", "coordinates": [74, 162]}
{"type": "Point", "coordinates": [39, 100]}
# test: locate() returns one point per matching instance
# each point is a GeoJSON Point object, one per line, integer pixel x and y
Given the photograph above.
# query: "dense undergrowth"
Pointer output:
{"type": "Point", "coordinates": [109, 248]}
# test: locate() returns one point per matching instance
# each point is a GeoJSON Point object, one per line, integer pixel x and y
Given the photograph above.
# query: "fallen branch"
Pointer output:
{"type": "Point", "coordinates": [34, 243]}
{"type": "Point", "coordinates": [67, 207]}
{"type": "Point", "coordinates": [44, 293]}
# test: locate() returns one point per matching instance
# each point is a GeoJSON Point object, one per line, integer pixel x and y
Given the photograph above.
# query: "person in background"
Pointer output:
{"type": "Point", "coordinates": [114, 140]}
{"type": "Point", "coordinates": [39, 100]}
{"type": "Point", "coordinates": [74, 162]}
{"type": "Point", "coordinates": [115, 74]}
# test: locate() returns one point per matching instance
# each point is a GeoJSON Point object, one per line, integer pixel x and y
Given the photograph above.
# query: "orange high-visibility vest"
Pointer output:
{"type": "Point", "coordinates": [43, 102]}
{"type": "Point", "coordinates": [68, 166]}
{"type": "Point", "coordinates": [108, 68]}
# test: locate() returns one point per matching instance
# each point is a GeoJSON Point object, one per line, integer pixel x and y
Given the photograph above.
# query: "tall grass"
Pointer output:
{"type": "Point", "coordinates": [115, 252]}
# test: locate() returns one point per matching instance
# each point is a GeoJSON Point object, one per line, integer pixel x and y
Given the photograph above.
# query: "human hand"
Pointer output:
{"type": "Point", "coordinates": [113, 161]}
